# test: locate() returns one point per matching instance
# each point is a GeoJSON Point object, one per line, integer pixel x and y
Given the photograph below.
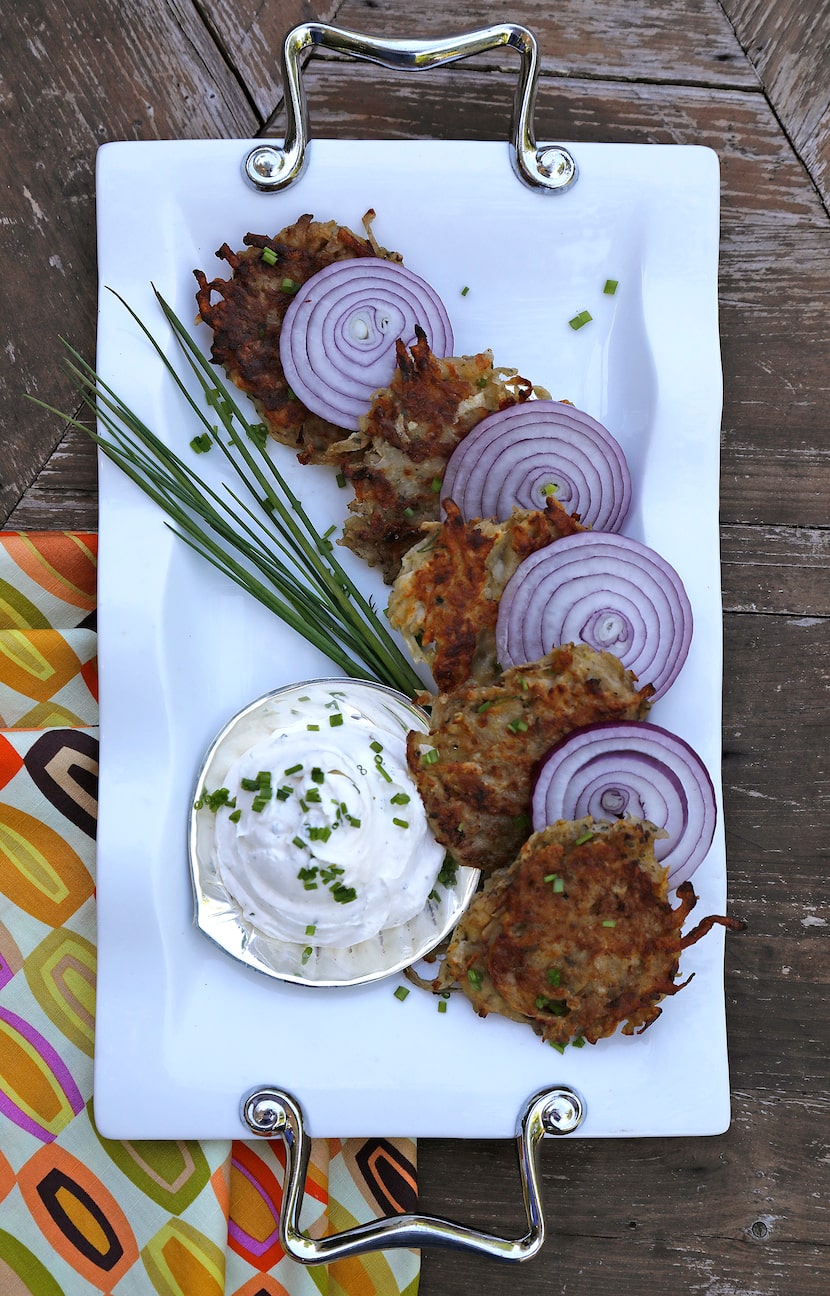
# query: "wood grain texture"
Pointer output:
{"type": "Point", "coordinates": [251, 34]}
{"type": "Point", "coordinates": [788, 43]}
{"type": "Point", "coordinates": [689, 41]}
{"type": "Point", "coordinates": [79, 76]}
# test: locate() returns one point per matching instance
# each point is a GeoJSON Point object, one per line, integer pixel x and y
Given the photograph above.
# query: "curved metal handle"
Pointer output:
{"type": "Point", "coordinates": [550, 168]}
{"type": "Point", "coordinates": [270, 1112]}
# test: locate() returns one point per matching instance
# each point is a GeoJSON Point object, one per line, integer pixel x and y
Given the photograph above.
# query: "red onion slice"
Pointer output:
{"type": "Point", "coordinates": [612, 769]}
{"type": "Point", "coordinates": [516, 457]}
{"type": "Point", "coordinates": [337, 342]}
{"type": "Point", "coordinates": [608, 591]}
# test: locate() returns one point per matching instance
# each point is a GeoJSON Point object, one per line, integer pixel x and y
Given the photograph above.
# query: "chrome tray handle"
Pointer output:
{"type": "Point", "coordinates": [271, 1113]}
{"type": "Point", "coordinates": [549, 168]}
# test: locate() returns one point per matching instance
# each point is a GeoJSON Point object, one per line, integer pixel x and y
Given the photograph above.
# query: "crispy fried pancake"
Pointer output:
{"type": "Point", "coordinates": [576, 937]}
{"type": "Point", "coordinates": [397, 459]}
{"type": "Point", "coordinates": [489, 738]}
{"type": "Point", "coordinates": [446, 597]}
{"type": "Point", "coordinates": [247, 317]}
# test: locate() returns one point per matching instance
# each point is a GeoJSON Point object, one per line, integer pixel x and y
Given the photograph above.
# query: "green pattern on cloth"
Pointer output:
{"type": "Point", "coordinates": [81, 1214]}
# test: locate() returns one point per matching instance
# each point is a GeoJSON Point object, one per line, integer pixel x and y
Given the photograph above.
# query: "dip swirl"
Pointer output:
{"type": "Point", "coordinates": [323, 839]}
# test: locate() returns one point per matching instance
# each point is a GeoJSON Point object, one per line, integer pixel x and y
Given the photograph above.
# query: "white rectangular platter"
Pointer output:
{"type": "Point", "coordinates": [183, 1031]}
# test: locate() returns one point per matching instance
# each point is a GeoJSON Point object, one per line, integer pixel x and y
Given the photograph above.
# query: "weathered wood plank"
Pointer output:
{"type": "Point", "coordinates": [251, 35]}
{"type": "Point", "coordinates": [79, 76]}
{"type": "Point", "coordinates": [780, 570]}
{"type": "Point", "coordinates": [687, 41]}
{"type": "Point", "coordinates": [788, 42]}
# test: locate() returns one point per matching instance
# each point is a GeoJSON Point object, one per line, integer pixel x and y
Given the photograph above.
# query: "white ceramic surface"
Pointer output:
{"type": "Point", "coordinates": [183, 1031]}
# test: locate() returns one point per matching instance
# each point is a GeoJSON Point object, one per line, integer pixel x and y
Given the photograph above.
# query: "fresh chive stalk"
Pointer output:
{"type": "Point", "coordinates": [271, 550]}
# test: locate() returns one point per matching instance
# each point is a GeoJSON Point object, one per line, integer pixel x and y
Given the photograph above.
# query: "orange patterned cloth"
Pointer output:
{"type": "Point", "coordinates": [81, 1214]}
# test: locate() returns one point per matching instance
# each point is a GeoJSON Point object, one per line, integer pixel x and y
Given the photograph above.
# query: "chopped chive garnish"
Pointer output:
{"type": "Point", "coordinates": [579, 321]}
{"type": "Point", "coordinates": [380, 769]}
{"type": "Point", "coordinates": [475, 977]}
{"type": "Point", "coordinates": [518, 726]}
{"type": "Point", "coordinates": [401, 823]}
{"type": "Point", "coordinates": [343, 894]}
{"type": "Point", "coordinates": [294, 769]}
{"type": "Point", "coordinates": [259, 802]}
{"type": "Point", "coordinates": [579, 1042]}
{"type": "Point", "coordinates": [465, 290]}
{"type": "Point", "coordinates": [336, 720]}
{"type": "Point", "coordinates": [213, 800]}
{"type": "Point", "coordinates": [550, 488]}
{"type": "Point", "coordinates": [341, 480]}
{"type": "Point", "coordinates": [442, 1005]}
{"type": "Point", "coordinates": [283, 793]}
{"type": "Point", "coordinates": [484, 706]}
{"type": "Point", "coordinates": [409, 512]}
{"type": "Point", "coordinates": [307, 953]}
{"type": "Point", "coordinates": [235, 816]}
{"type": "Point", "coordinates": [400, 798]}
{"type": "Point", "coordinates": [436, 484]}
{"type": "Point", "coordinates": [560, 1048]}
{"type": "Point", "coordinates": [355, 822]}
{"type": "Point", "coordinates": [249, 784]}
{"type": "Point", "coordinates": [430, 757]}
{"type": "Point", "coordinates": [611, 286]}
{"type": "Point", "coordinates": [289, 285]}
{"type": "Point", "coordinates": [298, 841]}
{"type": "Point", "coordinates": [201, 444]}
{"type": "Point", "coordinates": [269, 256]}
{"type": "Point", "coordinates": [313, 728]}
{"type": "Point", "coordinates": [609, 922]}
{"type": "Point", "coordinates": [309, 886]}
{"type": "Point", "coordinates": [376, 746]}
{"type": "Point", "coordinates": [586, 837]}
{"type": "Point", "coordinates": [554, 976]}
{"type": "Point", "coordinates": [319, 834]}
{"type": "Point", "coordinates": [313, 796]}
{"type": "Point", "coordinates": [317, 775]}
{"type": "Point", "coordinates": [401, 993]}
{"type": "Point", "coordinates": [310, 929]}
{"type": "Point", "coordinates": [558, 886]}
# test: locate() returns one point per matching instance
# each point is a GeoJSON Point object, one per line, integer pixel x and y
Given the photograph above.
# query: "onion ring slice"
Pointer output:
{"type": "Point", "coordinates": [516, 458]}
{"type": "Point", "coordinates": [337, 342]}
{"type": "Point", "coordinates": [613, 769]}
{"type": "Point", "coordinates": [608, 591]}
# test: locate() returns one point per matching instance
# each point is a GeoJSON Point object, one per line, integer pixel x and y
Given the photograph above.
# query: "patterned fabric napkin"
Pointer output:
{"type": "Point", "coordinates": [80, 1213]}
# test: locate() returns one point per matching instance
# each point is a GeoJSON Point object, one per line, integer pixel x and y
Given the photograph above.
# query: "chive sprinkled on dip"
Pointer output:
{"type": "Point", "coordinates": [309, 838]}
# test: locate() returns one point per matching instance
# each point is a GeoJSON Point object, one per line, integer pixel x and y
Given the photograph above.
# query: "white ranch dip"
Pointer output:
{"type": "Point", "coordinates": [325, 840]}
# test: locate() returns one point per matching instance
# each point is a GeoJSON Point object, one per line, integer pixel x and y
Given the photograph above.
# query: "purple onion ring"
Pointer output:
{"type": "Point", "coordinates": [638, 769]}
{"type": "Point", "coordinates": [608, 591]}
{"type": "Point", "coordinates": [517, 457]}
{"type": "Point", "coordinates": [337, 342]}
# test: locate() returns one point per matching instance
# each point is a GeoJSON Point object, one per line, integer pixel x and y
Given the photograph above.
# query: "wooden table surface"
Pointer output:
{"type": "Point", "coordinates": [745, 1214]}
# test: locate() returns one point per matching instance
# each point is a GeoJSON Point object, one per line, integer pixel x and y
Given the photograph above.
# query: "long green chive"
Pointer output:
{"type": "Point", "coordinates": [275, 555]}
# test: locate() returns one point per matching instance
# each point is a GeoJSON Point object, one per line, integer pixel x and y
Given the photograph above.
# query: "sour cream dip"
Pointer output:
{"type": "Point", "coordinates": [319, 833]}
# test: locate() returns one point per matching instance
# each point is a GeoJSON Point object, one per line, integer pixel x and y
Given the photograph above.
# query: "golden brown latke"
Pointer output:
{"type": "Point", "coordinates": [576, 937]}
{"type": "Point", "coordinates": [247, 318]}
{"type": "Point", "coordinates": [445, 600]}
{"type": "Point", "coordinates": [397, 460]}
{"type": "Point", "coordinates": [489, 738]}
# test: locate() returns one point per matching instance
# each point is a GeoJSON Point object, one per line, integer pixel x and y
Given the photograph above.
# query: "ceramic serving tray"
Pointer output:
{"type": "Point", "coordinates": [184, 1030]}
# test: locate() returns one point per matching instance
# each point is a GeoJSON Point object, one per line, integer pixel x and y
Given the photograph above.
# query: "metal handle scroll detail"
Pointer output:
{"type": "Point", "coordinates": [549, 168]}
{"type": "Point", "coordinates": [269, 1112]}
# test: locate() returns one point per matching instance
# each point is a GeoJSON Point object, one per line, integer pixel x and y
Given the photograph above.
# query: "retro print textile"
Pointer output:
{"type": "Point", "coordinates": [80, 1214]}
